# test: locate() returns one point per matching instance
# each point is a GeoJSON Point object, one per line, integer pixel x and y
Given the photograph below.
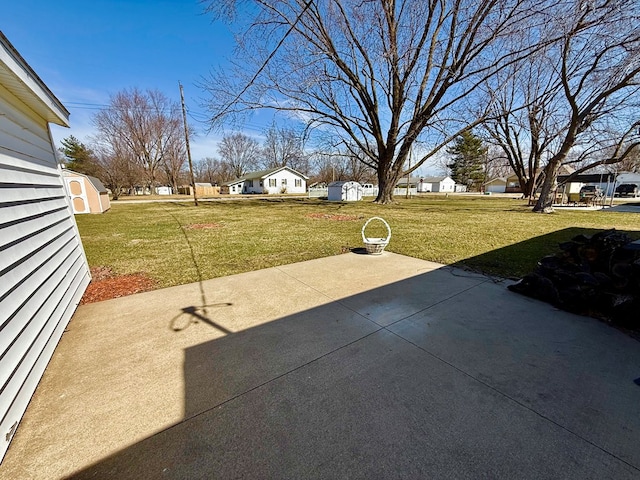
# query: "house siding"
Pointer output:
{"type": "Point", "coordinates": [428, 185]}
{"type": "Point", "coordinates": [290, 186]}
{"type": "Point", "coordinates": [43, 269]}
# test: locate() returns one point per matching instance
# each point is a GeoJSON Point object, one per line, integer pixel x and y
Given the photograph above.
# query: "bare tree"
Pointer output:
{"type": "Point", "coordinates": [116, 169]}
{"type": "Point", "coordinates": [620, 150]}
{"type": "Point", "coordinates": [284, 147]}
{"type": "Point", "coordinates": [631, 163]}
{"type": "Point", "coordinates": [240, 152]}
{"type": "Point", "coordinates": [523, 120]}
{"type": "Point", "coordinates": [381, 75]}
{"type": "Point", "coordinates": [174, 162]}
{"type": "Point", "coordinates": [598, 69]}
{"type": "Point", "coordinates": [212, 170]}
{"type": "Point", "coordinates": [497, 164]}
{"type": "Point", "coordinates": [147, 125]}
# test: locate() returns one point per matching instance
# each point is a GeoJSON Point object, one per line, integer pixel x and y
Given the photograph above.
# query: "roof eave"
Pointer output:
{"type": "Point", "coordinates": [22, 81]}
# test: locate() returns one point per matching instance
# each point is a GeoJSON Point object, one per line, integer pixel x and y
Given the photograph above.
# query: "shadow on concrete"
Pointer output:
{"type": "Point", "coordinates": [192, 315]}
{"type": "Point", "coordinates": [444, 374]}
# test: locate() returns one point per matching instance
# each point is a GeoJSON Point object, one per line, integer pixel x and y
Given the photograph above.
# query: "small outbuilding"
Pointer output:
{"type": "Point", "coordinates": [344, 192]}
{"type": "Point", "coordinates": [87, 194]}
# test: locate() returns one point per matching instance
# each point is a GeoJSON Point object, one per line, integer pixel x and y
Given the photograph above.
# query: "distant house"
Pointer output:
{"type": "Point", "coordinates": [43, 268]}
{"type": "Point", "coordinates": [627, 177]}
{"type": "Point", "coordinates": [606, 181]}
{"type": "Point", "coordinates": [272, 181]}
{"type": "Point", "coordinates": [232, 187]}
{"type": "Point", "coordinates": [436, 184]}
{"type": "Point", "coordinates": [87, 194]}
{"type": "Point", "coordinates": [404, 181]}
{"type": "Point", "coordinates": [496, 185]}
{"type": "Point", "coordinates": [513, 184]}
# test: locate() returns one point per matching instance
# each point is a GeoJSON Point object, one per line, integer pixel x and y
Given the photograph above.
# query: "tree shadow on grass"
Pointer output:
{"type": "Point", "coordinates": [519, 259]}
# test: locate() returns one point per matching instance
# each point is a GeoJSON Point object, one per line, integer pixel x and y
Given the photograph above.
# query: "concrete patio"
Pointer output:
{"type": "Point", "coordinates": [353, 366]}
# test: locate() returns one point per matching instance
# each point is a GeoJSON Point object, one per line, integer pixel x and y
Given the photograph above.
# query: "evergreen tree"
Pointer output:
{"type": "Point", "coordinates": [468, 162]}
{"type": "Point", "coordinates": [78, 157]}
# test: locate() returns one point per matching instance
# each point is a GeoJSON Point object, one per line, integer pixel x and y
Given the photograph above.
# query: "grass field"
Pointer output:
{"type": "Point", "coordinates": [176, 243]}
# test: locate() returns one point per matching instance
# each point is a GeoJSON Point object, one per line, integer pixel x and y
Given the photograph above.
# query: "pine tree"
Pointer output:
{"type": "Point", "coordinates": [77, 156]}
{"type": "Point", "coordinates": [468, 162]}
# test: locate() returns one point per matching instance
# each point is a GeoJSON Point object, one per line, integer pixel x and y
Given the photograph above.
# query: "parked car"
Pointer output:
{"type": "Point", "coordinates": [627, 189]}
{"type": "Point", "coordinates": [591, 194]}
{"type": "Point", "coordinates": [591, 191]}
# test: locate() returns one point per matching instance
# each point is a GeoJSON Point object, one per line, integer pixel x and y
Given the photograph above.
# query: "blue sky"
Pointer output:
{"type": "Point", "coordinates": [86, 50]}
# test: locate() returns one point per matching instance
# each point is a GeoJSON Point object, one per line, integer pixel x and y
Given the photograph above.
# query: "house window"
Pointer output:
{"type": "Point", "coordinates": [284, 182]}
{"type": "Point", "coordinates": [272, 182]}
{"type": "Point", "coordinates": [250, 183]}
{"type": "Point", "coordinates": [298, 182]}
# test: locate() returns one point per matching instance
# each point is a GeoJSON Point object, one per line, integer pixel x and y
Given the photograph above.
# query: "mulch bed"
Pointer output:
{"type": "Point", "coordinates": [105, 285]}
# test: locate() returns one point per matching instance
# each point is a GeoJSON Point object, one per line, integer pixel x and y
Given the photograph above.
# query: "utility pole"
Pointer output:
{"type": "Point", "coordinates": [186, 140]}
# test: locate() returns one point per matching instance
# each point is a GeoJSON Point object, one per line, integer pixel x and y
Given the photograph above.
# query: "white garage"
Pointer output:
{"type": "Point", "coordinates": [43, 269]}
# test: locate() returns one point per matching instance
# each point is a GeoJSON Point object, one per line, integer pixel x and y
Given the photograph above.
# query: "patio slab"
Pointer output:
{"type": "Point", "coordinates": [352, 366]}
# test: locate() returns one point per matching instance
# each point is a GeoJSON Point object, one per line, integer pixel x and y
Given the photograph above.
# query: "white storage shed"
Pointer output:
{"type": "Point", "coordinates": [344, 192]}
{"type": "Point", "coordinates": [43, 269]}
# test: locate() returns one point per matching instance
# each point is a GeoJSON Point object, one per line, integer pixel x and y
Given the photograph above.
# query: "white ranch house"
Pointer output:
{"type": "Point", "coordinates": [273, 181]}
{"type": "Point", "coordinates": [436, 184]}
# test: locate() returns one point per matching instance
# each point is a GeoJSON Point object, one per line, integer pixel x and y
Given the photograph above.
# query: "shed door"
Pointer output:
{"type": "Point", "coordinates": [78, 193]}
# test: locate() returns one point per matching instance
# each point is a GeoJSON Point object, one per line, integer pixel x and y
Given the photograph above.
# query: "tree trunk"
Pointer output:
{"type": "Point", "coordinates": [387, 180]}
{"type": "Point", "coordinates": [545, 202]}
{"type": "Point", "coordinates": [385, 191]}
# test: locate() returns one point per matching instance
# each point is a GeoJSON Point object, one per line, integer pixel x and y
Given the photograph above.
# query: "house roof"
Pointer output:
{"type": "Point", "coordinates": [96, 182]}
{"type": "Point", "coordinates": [234, 182]}
{"type": "Point", "coordinates": [265, 173]}
{"type": "Point", "coordinates": [589, 178]}
{"type": "Point", "coordinates": [564, 170]}
{"type": "Point", "coordinates": [340, 183]}
{"type": "Point", "coordinates": [403, 180]}
{"type": "Point", "coordinates": [496, 179]}
{"type": "Point", "coordinates": [22, 81]}
{"type": "Point", "coordinates": [434, 179]}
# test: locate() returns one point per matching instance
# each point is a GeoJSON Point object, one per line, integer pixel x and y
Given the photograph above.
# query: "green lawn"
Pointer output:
{"type": "Point", "coordinates": [495, 235]}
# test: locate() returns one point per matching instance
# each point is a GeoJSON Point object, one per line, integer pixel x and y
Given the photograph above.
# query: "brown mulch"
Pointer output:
{"type": "Point", "coordinates": [203, 226]}
{"type": "Point", "coordinates": [334, 216]}
{"type": "Point", "coordinates": [105, 285]}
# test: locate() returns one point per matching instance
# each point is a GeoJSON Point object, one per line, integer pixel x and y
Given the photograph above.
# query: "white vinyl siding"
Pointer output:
{"type": "Point", "coordinates": [43, 270]}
